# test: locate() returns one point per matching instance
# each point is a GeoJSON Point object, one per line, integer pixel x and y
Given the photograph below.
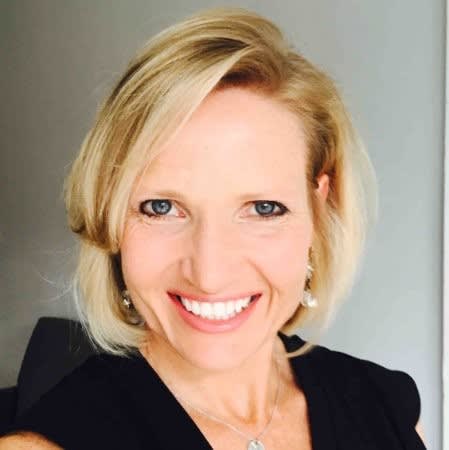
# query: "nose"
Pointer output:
{"type": "Point", "coordinates": [210, 263]}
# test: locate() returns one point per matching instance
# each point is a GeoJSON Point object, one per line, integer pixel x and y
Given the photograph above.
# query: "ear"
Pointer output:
{"type": "Point", "coordinates": [323, 186]}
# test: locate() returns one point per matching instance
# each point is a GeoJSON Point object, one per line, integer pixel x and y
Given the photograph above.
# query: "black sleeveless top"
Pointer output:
{"type": "Point", "coordinates": [112, 402]}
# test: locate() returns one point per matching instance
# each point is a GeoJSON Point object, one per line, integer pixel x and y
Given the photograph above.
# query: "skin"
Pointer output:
{"type": "Point", "coordinates": [27, 441]}
{"type": "Point", "coordinates": [212, 242]}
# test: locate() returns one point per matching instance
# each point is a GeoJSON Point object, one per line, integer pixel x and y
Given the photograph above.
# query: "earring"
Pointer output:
{"type": "Point", "coordinates": [132, 316]}
{"type": "Point", "coordinates": [308, 300]}
{"type": "Point", "coordinates": [126, 299]}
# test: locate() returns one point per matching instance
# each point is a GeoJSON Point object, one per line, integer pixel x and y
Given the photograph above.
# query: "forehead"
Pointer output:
{"type": "Point", "coordinates": [235, 136]}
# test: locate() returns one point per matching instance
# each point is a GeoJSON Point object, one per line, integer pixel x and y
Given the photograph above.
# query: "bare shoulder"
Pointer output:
{"type": "Point", "coordinates": [420, 431]}
{"type": "Point", "coordinates": [27, 441]}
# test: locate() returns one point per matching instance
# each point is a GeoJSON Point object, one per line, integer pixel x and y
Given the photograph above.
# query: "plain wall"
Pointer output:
{"type": "Point", "coordinates": [58, 60]}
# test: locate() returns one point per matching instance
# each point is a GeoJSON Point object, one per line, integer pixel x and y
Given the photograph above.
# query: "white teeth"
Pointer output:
{"type": "Point", "coordinates": [239, 305]}
{"type": "Point", "coordinates": [206, 310]}
{"type": "Point", "coordinates": [219, 310]}
{"type": "Point", "coordinates": [230, 308]}
{"type": "Point", "coordinates": [195, 307]}
{"type": "Point", "coordinates": [215, 310]}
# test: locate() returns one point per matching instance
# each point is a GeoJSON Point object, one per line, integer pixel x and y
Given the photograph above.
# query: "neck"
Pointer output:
{"type": "Point", "coordinates": [245, 394]}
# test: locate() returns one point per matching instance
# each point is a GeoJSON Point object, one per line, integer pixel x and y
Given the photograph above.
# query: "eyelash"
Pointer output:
{"type": "Point", "coordinates": [283, 209]}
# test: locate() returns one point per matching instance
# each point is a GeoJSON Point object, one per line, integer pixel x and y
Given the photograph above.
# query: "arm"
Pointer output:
{"type": "Point", "coordinates": [26, 441]}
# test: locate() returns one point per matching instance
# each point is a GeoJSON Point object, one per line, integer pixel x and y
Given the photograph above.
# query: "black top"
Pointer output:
{"type": "Point", "coordinates": [112, 402]}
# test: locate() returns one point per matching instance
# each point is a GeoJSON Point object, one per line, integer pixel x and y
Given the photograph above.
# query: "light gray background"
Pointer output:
{"type": "Point", "coordinates": [59, 58]}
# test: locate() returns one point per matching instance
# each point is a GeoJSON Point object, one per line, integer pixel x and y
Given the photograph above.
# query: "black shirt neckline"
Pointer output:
{"type": "Point", "coordinates": [174, 428]}
{"type": "Point", "coordinates": [310, 379]}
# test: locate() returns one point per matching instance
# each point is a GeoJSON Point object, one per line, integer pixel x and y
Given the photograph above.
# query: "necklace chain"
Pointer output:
{"type": "Point", "coordinates": [252, 439]}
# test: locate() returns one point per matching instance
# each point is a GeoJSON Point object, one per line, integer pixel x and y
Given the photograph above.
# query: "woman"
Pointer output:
{"type": "Point", "coordinates": [221, 203]}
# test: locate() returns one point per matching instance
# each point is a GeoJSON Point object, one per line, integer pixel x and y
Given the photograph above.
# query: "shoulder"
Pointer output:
{"type": "Point", "coordinates": [96, 376]}
{"type": "Point", "coordinates": [395, 389]}
{"type": "Point", "coordinates": [84, 403]}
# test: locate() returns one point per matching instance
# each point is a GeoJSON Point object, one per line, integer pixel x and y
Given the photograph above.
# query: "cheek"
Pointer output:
{"type": "Point", "coordinates": [143, 256]}
{"type": "Point", "coordinates": [284, 258]}
{"type": "Point", "coordinates": [280, 256]}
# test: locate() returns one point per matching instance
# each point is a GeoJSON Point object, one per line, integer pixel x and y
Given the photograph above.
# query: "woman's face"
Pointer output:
{"type": "Point", "coordinates": [222, 215]}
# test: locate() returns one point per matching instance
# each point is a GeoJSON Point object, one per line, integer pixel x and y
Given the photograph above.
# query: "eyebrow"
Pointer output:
{"type": "Point", "coordinates": [172, 193]}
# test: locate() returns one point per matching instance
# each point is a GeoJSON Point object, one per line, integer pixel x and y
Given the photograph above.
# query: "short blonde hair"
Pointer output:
{"type": "Point", "coordinates": [160, 89]}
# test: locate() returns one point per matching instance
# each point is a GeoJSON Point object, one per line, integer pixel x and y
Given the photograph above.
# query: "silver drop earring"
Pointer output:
{"type": "Point", "coordinates": [132, 315]}
{"type": "Point", "coordinates": [126, 299]}
{"type": "Point", "coordinates": [308, 300]}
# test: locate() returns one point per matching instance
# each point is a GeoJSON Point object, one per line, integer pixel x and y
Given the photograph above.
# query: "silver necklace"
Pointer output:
{"type": "Point", "coordinates": [253, 443]}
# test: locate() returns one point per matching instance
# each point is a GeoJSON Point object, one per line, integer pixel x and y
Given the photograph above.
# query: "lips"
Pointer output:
{"type": "Point", "coordinates": [216, 310]}
{"type": "Point", "coordinates": [214, 325]}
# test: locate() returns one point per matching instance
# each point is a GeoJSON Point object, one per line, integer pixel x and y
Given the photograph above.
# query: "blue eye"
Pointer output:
{"type": "Point", "coordinates": [155, 208]}
{"type": "Point", "coordinates": [265, 209]}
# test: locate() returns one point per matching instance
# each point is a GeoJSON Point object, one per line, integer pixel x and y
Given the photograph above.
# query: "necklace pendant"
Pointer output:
{"type": "Point", "coordinates": [254, 444]}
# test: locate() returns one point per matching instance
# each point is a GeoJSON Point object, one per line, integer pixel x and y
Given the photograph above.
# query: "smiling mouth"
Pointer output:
{"type": "Point", "coordinates": [216, 310]}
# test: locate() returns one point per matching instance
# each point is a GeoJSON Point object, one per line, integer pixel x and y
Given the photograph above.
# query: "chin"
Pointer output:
{"type": "Point", "coordinates": [215, 358]}
{"type": "Point", "coordinates": [221, 347]}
